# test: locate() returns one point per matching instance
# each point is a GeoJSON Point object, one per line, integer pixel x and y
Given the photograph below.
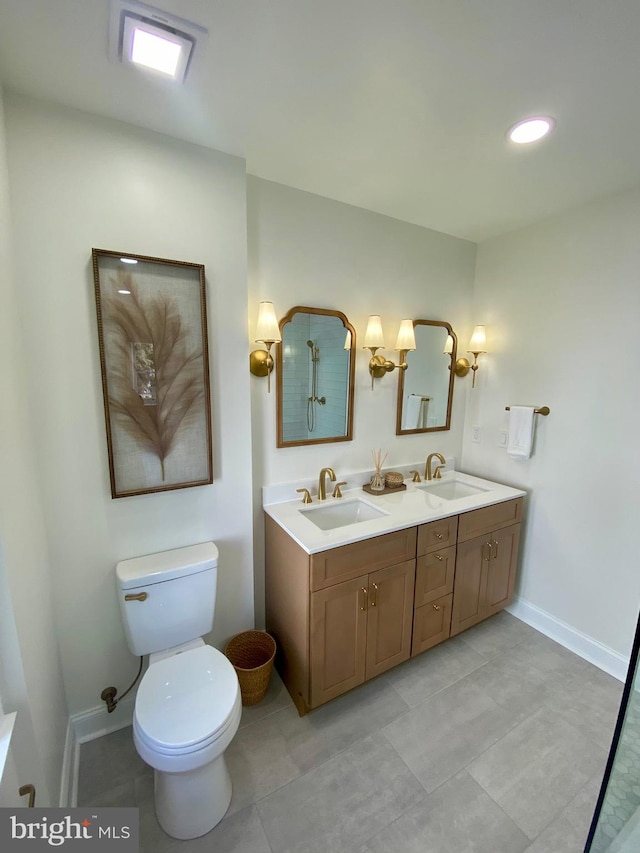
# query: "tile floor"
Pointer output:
{"type": "Point", "coordinates": [493, 742]}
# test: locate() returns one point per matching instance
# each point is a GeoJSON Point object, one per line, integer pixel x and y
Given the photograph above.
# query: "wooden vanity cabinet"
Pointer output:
{"type": "Point", "coordinates": [343, 616]}
{"type": "Point", "coordinates": [360, 628]}
{"type": "Point", "coordinates": [486, 563]}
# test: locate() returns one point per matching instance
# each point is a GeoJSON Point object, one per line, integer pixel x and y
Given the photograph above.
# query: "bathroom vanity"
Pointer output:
{"type": "Point", "coordinates": [347, 599]}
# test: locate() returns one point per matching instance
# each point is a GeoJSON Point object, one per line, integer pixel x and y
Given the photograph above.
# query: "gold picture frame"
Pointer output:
{"type": "Point", "coordinates": [154, 359]}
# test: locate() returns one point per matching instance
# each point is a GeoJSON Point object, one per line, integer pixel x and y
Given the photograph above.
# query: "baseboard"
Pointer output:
{"type": "Point", "coordinates": [595, 652]}
{"type": "Point", "coordinates": [83, 727]}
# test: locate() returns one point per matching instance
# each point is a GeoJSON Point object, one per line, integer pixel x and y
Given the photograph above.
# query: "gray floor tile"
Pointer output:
{"type": "Point", "coordinates": [434, 670]}
{"type": "Point", "coordinates": [314, 738]}
{"type": "Point", "coordinates": [568, 832]}
{"type": "Point", "coordinates": [591, 702]}
{"type": "Point", "coordinates": [537, 769]}
{"type": "Point", "coordinates": [497, 635]}
{"type": "Point", "coordinates": [107, 762]}
{"type": "Point", "coordinates": [520, 689]}
{"type": "Point", "coordinates": [337, 806]}
{"type": "Point", "coordinates": [548, 656]}
{"type": "Point", "coordinates": [259, 762]}
{"type": "Point", "coordinates": [275, 699]}
{"type": "Point", "coordinates": [441, 736]}
{"type": "Point", "coordinates": [459, 817]}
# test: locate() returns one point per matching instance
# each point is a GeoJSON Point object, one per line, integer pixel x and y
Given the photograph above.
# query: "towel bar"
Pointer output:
{"type": "Point", "coordinates": [543, 411]}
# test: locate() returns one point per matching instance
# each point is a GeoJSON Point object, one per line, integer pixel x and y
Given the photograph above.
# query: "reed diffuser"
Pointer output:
{"type": "Point", "coordinates": [377, 481]}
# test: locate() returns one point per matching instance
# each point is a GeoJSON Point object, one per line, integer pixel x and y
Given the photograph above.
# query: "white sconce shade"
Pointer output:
{"type": "Point", "coordinates": [347, 340]}
{"type": "Point", "coordinates": [406, 336]}
{"type": "Point", "coordinates": [267, 329]}
{"type": "Point", "coordinates": [373, 337]}
{"type": "Point", "coordinates": [448, 346]}
{"type": "Point", "coordinates": [478, 342]}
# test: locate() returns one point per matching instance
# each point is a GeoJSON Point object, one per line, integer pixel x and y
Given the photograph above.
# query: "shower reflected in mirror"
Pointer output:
{"type": "Point", "coordinates": [315, 370]}
{"type": "Point", "coordinates": [314, 400]}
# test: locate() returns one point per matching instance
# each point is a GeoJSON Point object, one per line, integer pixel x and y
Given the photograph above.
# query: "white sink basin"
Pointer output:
{"type": "Point", "coordinates": [341, 513]}
{"type": "Point", "coordinates": [451, 490]}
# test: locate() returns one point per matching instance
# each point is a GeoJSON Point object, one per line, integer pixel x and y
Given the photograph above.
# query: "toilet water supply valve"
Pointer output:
{"type": "Point", "coordinates": [108, 695]}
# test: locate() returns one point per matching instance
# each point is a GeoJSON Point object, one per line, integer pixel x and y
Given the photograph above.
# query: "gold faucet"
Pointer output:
{"type": "Point", "coordinates": [322, 494]}
{"type": "Point", "coordinates": [427, 468]}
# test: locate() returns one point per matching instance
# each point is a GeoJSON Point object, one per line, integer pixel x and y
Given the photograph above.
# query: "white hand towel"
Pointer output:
{"type": "Point", "coordinates": [413, 412]}
{"type": "Point", "coordinates": [521, 423]}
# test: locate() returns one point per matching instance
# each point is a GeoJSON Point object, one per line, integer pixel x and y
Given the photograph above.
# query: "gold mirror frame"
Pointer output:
{"type": "Point", "coordinates": [348, 435]}
{"type": "Point", "coordinates": [445, 366]}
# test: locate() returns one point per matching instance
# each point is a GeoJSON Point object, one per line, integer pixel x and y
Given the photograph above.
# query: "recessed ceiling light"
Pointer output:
{"type": "Point", "coordinates": [146, 37]}
{"type": "Point", "coordinates": [531, 129]}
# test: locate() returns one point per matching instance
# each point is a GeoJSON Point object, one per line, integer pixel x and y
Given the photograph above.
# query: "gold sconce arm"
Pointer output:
{"type": "Point", "coordinates": [373, 340]}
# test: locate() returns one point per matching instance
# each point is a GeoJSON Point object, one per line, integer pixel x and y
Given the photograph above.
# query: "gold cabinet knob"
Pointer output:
{"type": "Point", "coordinates": [436, 607]}
{"type": "Point", "coordinates": [439, 557]}
{"type": "Point", "coordinates": [439, 535]}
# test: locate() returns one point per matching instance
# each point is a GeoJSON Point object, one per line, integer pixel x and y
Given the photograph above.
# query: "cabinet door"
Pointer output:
{"type": "Point", "coordinates": [469, 588]}
{"type": "Point", "coordinates": [434, 575]}
{"type": "Point", "coordinates": [501, 569]}
{"type": "Point", "coordinates": [338, 639]}
{"type": "Point", "coordinates": [431, 624]}
{"type": "Point", "coordinates": [389, 617]}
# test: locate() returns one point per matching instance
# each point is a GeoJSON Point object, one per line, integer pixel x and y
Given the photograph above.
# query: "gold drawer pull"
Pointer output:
{"type": "Point", "coordinates": [436, 607]}
{"type": "Point", "coordinates": [374, 597]}
{"type": "Point", "coordinates": [484, 554]}
{"type": "Point", "coordinates": [494, 544]}
{"type": "Point", "coordinates": [140, 596]}
{"type": "Point", "coordinates": [439, 535]}
{"type": "Point", "coordinates": [439, 557]}
{"type": "Point", "coordinates": [363, 606]}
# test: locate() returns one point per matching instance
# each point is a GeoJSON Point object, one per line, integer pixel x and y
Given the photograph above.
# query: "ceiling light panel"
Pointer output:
{"type": "Point", "coordinates": [146, 37]}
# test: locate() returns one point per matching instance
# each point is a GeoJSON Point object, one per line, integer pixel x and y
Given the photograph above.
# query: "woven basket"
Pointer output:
{"type": "Point", "coordinates": [252, 654]}
{"type": "Point", "coordinates": [393, 479]}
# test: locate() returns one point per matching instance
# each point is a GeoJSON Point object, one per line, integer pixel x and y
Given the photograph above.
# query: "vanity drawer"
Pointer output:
{"type": "Point", "coordinates": [350, 561]}
{"type": "Point", "coordinates": [431, 624]}
{"type": "Point", "coordinates": [481, 521]}
{"type": "Point", "coordinates": [436, 535]}
{"type": "Point", "coordinates": [434, 575]}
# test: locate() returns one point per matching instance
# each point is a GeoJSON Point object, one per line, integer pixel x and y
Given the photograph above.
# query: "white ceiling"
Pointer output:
{"type": "Point", "coordinates": [397, 106]}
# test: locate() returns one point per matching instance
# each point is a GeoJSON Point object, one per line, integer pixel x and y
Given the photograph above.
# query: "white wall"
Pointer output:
{"type": "Point", "coordinates": [561, 301]}
{"type": "Point", "coordinates": [79, 182]}
{"type": "Point", "coordinates": [30, 672]}
{"type": "Point", "coordinates": [311, 251]}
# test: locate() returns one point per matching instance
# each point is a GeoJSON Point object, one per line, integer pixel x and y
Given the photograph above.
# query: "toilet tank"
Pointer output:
{"type": "Point", "coordinates": [168, 598]}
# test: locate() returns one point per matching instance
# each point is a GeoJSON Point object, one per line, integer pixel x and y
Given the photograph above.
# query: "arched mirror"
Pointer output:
{"type": "Point", "coordinates": [315, 366]}
{"type": "Point", "coordinates": [425, 388]}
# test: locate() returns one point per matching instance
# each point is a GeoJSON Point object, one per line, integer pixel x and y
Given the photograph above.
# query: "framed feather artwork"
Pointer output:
{"type": "Point", "coordinates": [152, 334]}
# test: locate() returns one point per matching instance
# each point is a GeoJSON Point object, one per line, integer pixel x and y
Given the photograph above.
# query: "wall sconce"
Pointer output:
{"type": "Point", "coordinates": [477, 346]}
{"type": "Point", "coordinates": [462, 366]}
{"type": "Point", "coordinates": [374, 340]}
{"type": "Point", "coordinates": [268, 333]}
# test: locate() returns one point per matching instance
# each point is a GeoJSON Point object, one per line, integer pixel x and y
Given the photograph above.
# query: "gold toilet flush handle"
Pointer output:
{"type": "Point", "coordinates": [139, 596]}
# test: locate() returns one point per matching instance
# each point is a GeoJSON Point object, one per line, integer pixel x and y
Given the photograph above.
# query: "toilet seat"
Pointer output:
{"type": "Point", "coordinates": [186, 702]}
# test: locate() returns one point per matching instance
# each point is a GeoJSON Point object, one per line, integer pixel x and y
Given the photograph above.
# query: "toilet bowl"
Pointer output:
{"type": "Point", "coordinates": [188, 704]}
{"type": "Point", "coordinates": [187, 712]}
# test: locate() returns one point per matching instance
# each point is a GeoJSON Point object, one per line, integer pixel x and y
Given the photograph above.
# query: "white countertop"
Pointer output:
{"type": "Point", "coordinates": [405, 508]}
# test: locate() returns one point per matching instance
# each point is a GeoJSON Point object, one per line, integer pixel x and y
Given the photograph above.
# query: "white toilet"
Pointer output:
{"type": "Point", "coordinates": [188, 704]}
